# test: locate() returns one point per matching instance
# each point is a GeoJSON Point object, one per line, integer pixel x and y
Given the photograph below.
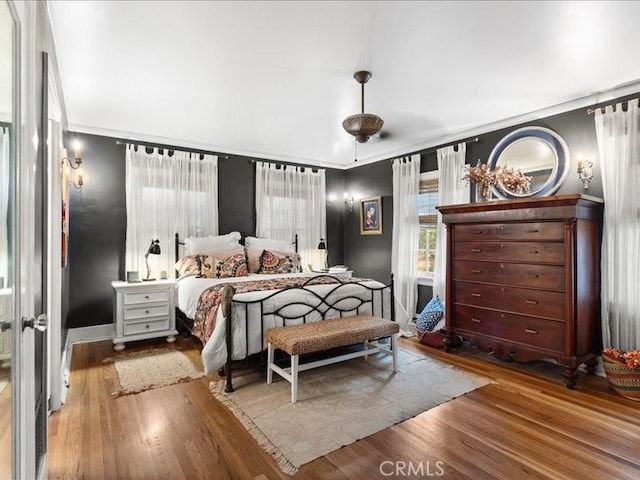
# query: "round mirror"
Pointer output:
{"type": "Point", "coordinates": [539, 153]}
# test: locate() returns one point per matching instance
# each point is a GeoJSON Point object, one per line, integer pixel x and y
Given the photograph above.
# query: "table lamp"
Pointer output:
{"type": "Point", "coordinates": [154, 249]}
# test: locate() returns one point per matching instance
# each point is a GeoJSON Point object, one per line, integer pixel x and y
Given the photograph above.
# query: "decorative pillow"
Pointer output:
{"type": "Point", "coordinates": [279, 262]}
{"type": "Point", "coordinates": [187, 266]}
{"type": "Point", "coordinates": [253, 259]}
{"type": "Point", "coordinates": [430, 315]}
{"type": "Point", "coordinates": [233, 266]}
{"type": "Point", "coordinates": [268, 244]}
{"type": "Point", "coordinates": [196, 245]}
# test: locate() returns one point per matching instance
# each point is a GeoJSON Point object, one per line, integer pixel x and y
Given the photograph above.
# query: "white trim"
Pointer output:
{"type": "Point", "coordinates": [602, 96]}
{"type": "Point", "coordinates": [93, 333]}
{"type": "Point", "coordinates": [425, 280]}
{"type": "Point", "coordinates": [136, 137]}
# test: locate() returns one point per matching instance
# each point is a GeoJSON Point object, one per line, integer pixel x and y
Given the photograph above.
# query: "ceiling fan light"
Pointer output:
{"type": "Point", "coordinates": [362, 125]}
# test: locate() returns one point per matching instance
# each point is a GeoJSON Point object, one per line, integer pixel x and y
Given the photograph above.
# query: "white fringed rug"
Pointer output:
{"type": "Point", "coordinates": [340, 403]}
{"type": "Point", "coordinates": [140, 371]}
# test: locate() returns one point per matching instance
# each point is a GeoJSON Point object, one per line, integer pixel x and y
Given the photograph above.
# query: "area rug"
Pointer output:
{"type": "Point", "coordinates": [3, 385]}
{"type": "Point", "coordinates": [142, 371]}
{"type": "Point", "coordinates": [340, 403]}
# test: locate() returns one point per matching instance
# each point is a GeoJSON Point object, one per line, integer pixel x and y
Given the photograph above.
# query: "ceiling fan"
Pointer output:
{"type": "Point", "coordinates": [363, 125]}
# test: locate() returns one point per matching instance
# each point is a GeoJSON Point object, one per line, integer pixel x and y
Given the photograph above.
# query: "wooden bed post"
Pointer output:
{"type": "Point", "coordinates": [227, 296]}
{"type": "Point", "coordinates": [393, 301]}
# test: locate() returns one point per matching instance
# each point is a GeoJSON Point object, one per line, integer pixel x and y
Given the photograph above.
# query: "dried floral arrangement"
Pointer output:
{"type": "Point", "coordinates": [481, 174]}
{"type": "Point", "coordinates": [509, 179]}
{"type": "Point", "coordinates": [630, 358]}
{"type": "Point", "coordinates": [513, 180]}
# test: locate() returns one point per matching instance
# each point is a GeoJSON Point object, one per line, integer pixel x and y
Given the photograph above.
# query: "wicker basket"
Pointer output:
{"type": "Point", "coordinates": [624, 379]}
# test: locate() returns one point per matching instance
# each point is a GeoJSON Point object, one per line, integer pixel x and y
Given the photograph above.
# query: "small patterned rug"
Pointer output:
{"type": "Point", "coordinates": [340, 403]}
{"type": "Point", "coordinates": [140, 371]}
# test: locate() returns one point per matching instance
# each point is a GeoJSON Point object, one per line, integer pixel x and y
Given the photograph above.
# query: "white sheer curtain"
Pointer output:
{"type": "Point", "coordinates": [404, 247]}
{"type": "Point", "coordinates": [292, 200]}
{"type": "Point", "coordinates": [4, 204]}
{"type": "Point", "coordinates": [167, 194]}
{"type": "Point", "coordinates": [451, 190]}
{"type": "Point", "coordinates": [619, 149]}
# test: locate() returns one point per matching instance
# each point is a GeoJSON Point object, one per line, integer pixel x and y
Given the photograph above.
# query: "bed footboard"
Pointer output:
{"type": "Point", "coordinates": [318, 307]}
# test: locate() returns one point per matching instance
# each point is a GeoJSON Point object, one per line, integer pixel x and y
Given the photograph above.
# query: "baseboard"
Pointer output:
{"type": "Point", "coordinates": [80, 335]}
{"type": "Point", "coordinates": [90, 334]}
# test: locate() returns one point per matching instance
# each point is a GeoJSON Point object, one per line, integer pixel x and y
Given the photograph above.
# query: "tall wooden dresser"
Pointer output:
{"type": "Point", "coordinates": [523, 279]}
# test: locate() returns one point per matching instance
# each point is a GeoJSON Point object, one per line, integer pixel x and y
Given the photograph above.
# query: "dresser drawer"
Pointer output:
{"type": "Point", "coordinates": [133, 298]}
{"type": "Point", "coordinates": [510, 231]}
{"type": "Point", "coordinates": [537, 332]}
{"type": "Point", "coordinates": [146, 311]}
{"type": "Point", "coordinates": [151, 325]}
{"type": "Point", "coordinates": [4, 309]}
{"type": "Point", "coordinates": [549, 277]}
{"type": "Point", "coordinates": [534, 252]}
{"type": "Point", "coordinates": [519, 300]}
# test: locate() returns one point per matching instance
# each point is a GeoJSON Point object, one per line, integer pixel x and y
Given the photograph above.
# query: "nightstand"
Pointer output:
{"type": "Point", "coordinates": [5, 316]}
{"type": "Point", "coordinates": [143, 310]}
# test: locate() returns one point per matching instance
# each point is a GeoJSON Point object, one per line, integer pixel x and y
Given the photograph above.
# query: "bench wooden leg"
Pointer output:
{"type": "Point", "coordinates": [270, 350]}
{"type": "Point", "coordinates": [294, 378]}
{"type": "Point", "coordinates": [394, 351]}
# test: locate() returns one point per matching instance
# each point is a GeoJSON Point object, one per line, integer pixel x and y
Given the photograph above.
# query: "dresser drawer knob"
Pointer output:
{"type": "Point", "coordinates": [532, 231]}
{"type": "Point", "coordinates": [476, 250]}
{"type": "Point", "coordinates": [476, 270]}
{"type": "Point", "coordinates": [533, 275]}
{"type": "Point", "coordinates": [476, 320]}
{"type": "Point", "coordinates": [147, 312]}
{"type": "Point", "coordinates": [531, 302]}
{"type": "Point", "coordinates": [533, 332]}
{"type": "Point", "coordinates": [146, 297]}
{"type": "Point", "coordinates": [473, 294]}
{"type": "Point", "coordinates": [477, 232]}
{"type": "Point", "coordinates": [533, 252]}
{"type": "Point", "coordinates": [146, 326]}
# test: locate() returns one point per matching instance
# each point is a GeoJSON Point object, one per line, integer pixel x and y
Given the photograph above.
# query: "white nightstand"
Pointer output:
{"type": "Point", "coordinates": [344, 274]}
{"type": "Point", "coordinates": [5, 316]}
{"type": "Point", "coordinates": [143, 310]}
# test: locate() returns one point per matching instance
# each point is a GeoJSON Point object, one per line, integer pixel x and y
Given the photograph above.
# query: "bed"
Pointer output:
{"type": "Point", "coordinates": [262, 301]}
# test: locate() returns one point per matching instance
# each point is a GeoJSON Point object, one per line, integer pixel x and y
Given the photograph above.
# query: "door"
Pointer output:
{"type": "Point", "coordinates": [27, 191]}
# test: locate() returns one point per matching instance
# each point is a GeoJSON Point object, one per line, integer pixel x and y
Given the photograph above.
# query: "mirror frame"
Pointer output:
{"type": "Point", "coordinates": [557, 145]}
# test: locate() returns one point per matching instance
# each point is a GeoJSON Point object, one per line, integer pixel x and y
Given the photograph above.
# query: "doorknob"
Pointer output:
{"type": "Point", "coordinates": [39, 323]}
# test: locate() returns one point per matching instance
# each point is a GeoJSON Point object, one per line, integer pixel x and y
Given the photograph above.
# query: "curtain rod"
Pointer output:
{"type": "Point", "coordinates": [435, 149]}
{"type": "Point", "coordinates": [591, 111]}
{"type": "Point", "coordinates": [160, 146]}
{"type": "Point", "coordinates": [278, 163]}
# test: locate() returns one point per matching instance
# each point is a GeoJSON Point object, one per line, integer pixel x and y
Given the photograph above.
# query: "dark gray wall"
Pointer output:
{"type": "Point", "coordinates": [98, 220]}
{"type": "Point", "coordinates": [370, 256]}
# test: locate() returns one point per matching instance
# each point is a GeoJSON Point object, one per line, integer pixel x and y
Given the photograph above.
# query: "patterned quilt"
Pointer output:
{"type": "Point", "coordinates": [210, 299]}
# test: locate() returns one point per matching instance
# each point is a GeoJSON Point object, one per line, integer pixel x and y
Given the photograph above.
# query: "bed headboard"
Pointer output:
{"type": "Point", "coordinates": [179, 243]}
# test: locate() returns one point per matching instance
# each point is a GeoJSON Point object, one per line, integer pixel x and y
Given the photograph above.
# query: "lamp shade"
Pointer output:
{"type": "Point", "coordinates": [322, 245]}
{"type": "Point", "coordinates": [154, 248]}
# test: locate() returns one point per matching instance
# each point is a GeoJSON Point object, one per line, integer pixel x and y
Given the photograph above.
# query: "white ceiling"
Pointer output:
{"type": "Point", "coordinates": [274, 79]}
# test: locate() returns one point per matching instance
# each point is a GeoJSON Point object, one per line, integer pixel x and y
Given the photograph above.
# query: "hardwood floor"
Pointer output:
{"type": "Point", "coordinates": [524, 425]}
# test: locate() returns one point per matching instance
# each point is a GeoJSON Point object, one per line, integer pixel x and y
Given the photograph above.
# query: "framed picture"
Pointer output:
{"type": "Point", "coordinates": [371, 216]}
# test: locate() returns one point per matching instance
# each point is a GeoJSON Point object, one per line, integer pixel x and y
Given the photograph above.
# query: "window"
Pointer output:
{"type": "Point", "coordinates": [427, 201]}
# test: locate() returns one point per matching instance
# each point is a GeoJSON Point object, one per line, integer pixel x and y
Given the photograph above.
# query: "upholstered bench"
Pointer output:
{"type": "Point", "coordinates": [324, 335]}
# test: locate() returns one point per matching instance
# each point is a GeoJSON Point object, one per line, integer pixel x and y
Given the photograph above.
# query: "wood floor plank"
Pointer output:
{"type": "Point", "coordinates": [524, 425]}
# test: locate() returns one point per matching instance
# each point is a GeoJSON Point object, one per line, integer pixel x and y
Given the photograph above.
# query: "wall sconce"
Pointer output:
{"type": "Point", "coordinates": [585, 170]}
{"type": "Point", "coordinates": [349, 200]}
{"type": "Point", "coordinates": [75, 164]}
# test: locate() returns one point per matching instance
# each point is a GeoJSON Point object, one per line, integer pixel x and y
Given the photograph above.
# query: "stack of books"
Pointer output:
{"type": "Point", "coordinates": [338, 269]}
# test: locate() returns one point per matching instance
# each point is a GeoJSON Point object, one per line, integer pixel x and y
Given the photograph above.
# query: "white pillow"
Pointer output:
{"type": "Point", "coordinates": [268, 244]}
{"type": "Point", "coordinates": [194, 245]}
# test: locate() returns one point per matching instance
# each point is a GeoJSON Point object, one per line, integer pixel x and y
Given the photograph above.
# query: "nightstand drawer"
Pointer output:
{"type": "Point", "coordinates": [4, 310]}
{"type": "Point", "coordinates": [152, 325]}
{"type": "Point", "coordinates": [146, 311]}
{"type": "Point", "coordinates": [146, 297]}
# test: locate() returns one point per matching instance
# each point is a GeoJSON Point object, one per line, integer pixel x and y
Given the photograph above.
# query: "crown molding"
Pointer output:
{"type": "Point", "coordinates": [591, 100]}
